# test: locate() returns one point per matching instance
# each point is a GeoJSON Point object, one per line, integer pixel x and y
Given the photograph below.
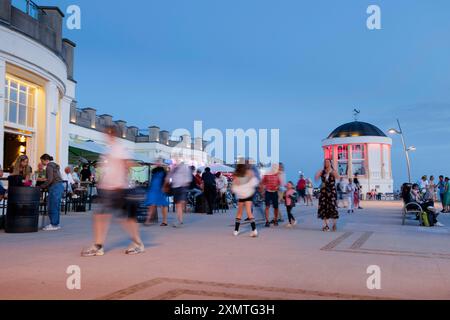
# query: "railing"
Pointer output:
{"type": "Point", "coordinates": [29, 7]}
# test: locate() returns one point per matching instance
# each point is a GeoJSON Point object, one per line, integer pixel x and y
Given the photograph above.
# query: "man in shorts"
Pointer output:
{"type": "Point", "coordinates": [271, 184]}
{"type": "Point", "coordinates": [113, 189]}
{"type": "Point", "coordinates": [179, 178]}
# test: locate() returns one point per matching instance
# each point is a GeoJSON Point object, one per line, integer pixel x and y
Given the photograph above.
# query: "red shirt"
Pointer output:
{"type": "Point", "coordinates": [301, 185]}
{"type": "Point", "coordinates": [271, 182]}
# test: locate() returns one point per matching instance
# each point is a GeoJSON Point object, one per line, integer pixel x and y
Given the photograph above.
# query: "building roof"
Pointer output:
{"type": "Point", "coordinates": [356, 129]}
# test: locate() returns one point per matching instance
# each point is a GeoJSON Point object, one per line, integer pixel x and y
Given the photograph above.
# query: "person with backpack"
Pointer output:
{"type": "Point", "coordinates": [301, 188]}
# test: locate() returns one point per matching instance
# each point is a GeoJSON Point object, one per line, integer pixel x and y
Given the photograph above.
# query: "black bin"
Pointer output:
{"type": "Point", "coordinates": [22, 215]}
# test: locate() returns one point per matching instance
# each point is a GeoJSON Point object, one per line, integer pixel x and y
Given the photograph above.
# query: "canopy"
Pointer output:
{"type": "Point", "coordinates": [219, 168]}
{"type": "Point", "coordinates": [90, 146]}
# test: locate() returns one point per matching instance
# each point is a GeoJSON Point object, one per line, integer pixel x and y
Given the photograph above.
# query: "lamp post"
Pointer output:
{"type": "Point", "coordinates": [407, 150]}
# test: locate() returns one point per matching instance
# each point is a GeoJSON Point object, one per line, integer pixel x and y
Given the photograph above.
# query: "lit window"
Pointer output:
{"type": "Point", "coordinates": [342, 154]}
{"type": "Point", "coordinates": [20, 103]}
{"type": "Point", "coordinates": [358, 160]}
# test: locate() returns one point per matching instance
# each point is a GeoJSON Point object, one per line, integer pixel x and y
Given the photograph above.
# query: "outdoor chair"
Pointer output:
{"type": "Point", "coordinates": [410, 206]}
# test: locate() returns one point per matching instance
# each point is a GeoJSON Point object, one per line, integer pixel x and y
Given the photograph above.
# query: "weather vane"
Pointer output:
{"type": "Point", "coordinates": [356, 113]}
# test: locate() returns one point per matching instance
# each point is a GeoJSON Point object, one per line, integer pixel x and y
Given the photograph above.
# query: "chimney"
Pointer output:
{"type": "Point", "coordinates": [164, 137]}
{"type": "Point", "coordinates": [92, 116]}
{"type": "Point", "coordinates": [134, 131]}
{"type": "Point", "coordinates": [186, 139]}
{"type": "Point", "coordinates": [53, 18]}
{"type": "Point", "coordinates": [122, 128]}
{"type": "Point", "coordinates": [153, 133]}
{"type": "Point", "coordinates": [107, 119]}
{"type": "Point", "coordinates": [68, 52]}
{"type": "Point", "coordinates": [5, 11]}
{"type": "Point", "coordinates": [198, 144]}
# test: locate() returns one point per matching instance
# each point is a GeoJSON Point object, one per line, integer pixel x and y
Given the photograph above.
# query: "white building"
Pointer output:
{"type": "Point", "coordinates": [361, 148]}
{"type": "Point", "coordinates": [38, 111]}
{"type": "Point", "coordinates": [36, 83]}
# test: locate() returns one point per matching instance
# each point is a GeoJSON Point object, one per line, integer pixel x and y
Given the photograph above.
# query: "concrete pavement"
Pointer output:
{"type": "Point", "coordinates": [204, 260]}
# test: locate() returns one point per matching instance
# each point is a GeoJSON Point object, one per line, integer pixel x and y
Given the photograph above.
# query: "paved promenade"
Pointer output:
{"type": "Point", "coordinates": [204, 260]}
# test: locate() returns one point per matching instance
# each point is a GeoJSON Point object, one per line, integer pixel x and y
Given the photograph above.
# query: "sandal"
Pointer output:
{"type": "Point", "coordinates": [164, 225]}
{"type": "Point", "coordinates": [326, 229]}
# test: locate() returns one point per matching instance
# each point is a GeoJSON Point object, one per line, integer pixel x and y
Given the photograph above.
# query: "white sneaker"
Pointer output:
{"type": "Point", "coordinates": [254, 234]}
{"type": "Point", "coordinates": [236, 233]}
{"type": "Point", "coordinates": [438, 224]}
{"type": "Point", "coordinates": [295, 223]}
{"type": "Point", "coordinates": [51, 228]}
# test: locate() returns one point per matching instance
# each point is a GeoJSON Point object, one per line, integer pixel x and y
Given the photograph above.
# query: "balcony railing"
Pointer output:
{"type": "Point", "coordinates": [29, 7]}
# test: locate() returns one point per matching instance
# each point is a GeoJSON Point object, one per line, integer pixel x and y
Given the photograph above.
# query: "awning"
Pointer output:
{"type": "Point", "coordinates": [90, 146]}
{"type": "Point", "coordinates": [219, 168]}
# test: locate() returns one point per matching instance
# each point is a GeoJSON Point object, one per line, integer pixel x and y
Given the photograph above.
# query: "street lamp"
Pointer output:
{"type": "Point", "coordinates": [406, 149]}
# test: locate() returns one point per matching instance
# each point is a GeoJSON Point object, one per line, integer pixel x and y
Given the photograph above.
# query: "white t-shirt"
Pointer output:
{"type": "Point", "coordinates": [114, 168]}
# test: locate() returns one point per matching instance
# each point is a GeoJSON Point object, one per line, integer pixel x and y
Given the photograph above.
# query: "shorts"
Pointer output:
{"type": "Point", "coordinates": [113, 202]}
{"type": "Point", "coordinates": [179, 194]}
{"type": "Point", "coordinates": [272, 199]}
{"type": "Point", "coordinates": [302, 193]}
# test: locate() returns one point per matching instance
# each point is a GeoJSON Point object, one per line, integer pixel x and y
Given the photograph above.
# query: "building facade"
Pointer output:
{"type": "Point", "coordinates": [360, 148]}
{"type": "Point", "coordinates": [36, 82]}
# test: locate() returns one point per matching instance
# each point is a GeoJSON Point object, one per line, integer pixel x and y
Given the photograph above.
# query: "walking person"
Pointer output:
{"type": "Point", "coordinates": [447, 196]}
{"type": "Point", "coordinates": [290, 199]}
{"type": "Point", "coordinates": [271, 183]}
{"type": "Point", "coordinates": [222, 186]}
{"type": "Point", "coordinates": [309, 192]}
{"type": "Point", "coordinates": [357, 199]}
{"type": "Point", "coordinates": [327, 199]}
{"type": "Point", "coordinates": [156, 198]}
{"type": "Point", "coordinates": [112, 189]}
{"type": "Point", "coordinates": [54, 185]}
{"type": "Point", "coordinates": [244, 187]}
{"type": "Point", "coordinates": [179, 180]}
{"type": "Point", "coordinates": [209, 189]}
{"type": "Point", "coordinates": [301, 188]}
{"type": "Point", "coordinates": [341, 192]}
{"type": "Point", "coordinates": [441, 190]}
{"type": "Point", "coordinates": [282, 189]}
{"type": "Point", "coordinates": [350, 190]}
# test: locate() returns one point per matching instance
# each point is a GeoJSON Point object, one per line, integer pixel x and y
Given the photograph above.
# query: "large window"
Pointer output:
{"type": "Point", "coordinates": [342, 155]}
{"type": "Point", "coordinates": [20, 103]}
{"type": "Point", "coordinates": [358, 160]}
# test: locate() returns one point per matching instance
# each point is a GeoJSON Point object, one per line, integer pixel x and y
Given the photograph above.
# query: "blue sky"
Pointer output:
{"type": "Point", "coordinates": [300, 66]}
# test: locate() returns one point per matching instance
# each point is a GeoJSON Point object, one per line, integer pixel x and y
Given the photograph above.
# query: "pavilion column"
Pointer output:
{"type": "Point", "coordinates": [350, 161]}
{"type": "Point", "coordinates": [51, 113]}
{"type": "Point", "coordinates": [64, 120]}
{"type": "Point", "coordinates": [2, 108]}
{"type": "Point", "coordinates": [383, 165]}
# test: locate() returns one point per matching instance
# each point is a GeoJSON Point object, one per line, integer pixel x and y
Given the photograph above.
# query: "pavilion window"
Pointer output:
{"type": "Point", "coordinates": [342, 157]}
{"type": "Point", "coordinates": [358, 160]}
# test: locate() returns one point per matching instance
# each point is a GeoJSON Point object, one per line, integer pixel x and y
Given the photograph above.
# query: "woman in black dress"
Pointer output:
{"type": "Point", "coordinates": [328, 196]}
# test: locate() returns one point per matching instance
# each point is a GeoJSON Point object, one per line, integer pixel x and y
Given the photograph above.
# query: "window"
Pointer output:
{"type": "Point", "coordinates": [358, 160]}
{"type": "Point", "coordinates": [27, 6]}
{"type": "Point", "coordinates": [342, 155]}
{"type": "Point", "coordinates": [20, 103]}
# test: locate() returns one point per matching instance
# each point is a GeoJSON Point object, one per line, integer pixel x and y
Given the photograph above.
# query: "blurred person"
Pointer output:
{"type": "Point", "coordinates": [21, 173]}
{"type": "Point", "coordinates": [198, 179]}
{"type": "Point", "coordinates": [222, 187]}
{"type": "Point", "coordinates": [350, 190]}
{"type": "Point", "coordinates": [282, 175]}
{"type": "Point", "coordinates": [178, 180]}
{"type": "Point", "coordinates": [341, 192]}
{"type": "Point", "coordinates": [156, 198]}
{"type": "Point", "coordinates": [357, 198]}
{"type": "Point", "coordinates": [40, 174]}
{"type": "Point", "coordinates": [447, 196]}
{"type": "Point", "coordinates": [2, 188]}
{"type": "Point", "coordinates": [309, 192]}
{"type": "Point", "coordinates": [244, 187]}
{"type": "Point", "coordinates": [54, 185]}
{"type": "Point", "coordinates": [327, 199]}
{"type": "Point", "coordinates": [76, 176]}
{"type": "Point", "coordinates": [290, 199]}
{"type": "Point", "coordinates": [301, 188]}
{"type": "Point", "coordinates": [195, 187]}
{"type": "Point", "coordinates": [113, 188]}
{"type": "Point", "coordinates": [257, 196]}
{"type": "Point", "coordinates": [427, 205]}
{"type": "Point", "coordinates": [67, 176]}
{"type": "Point", "coordinates": [271, 184]}
{"type": "Point", "coordinates": [424, 184]}
{"type": "Point", "coordinates": [430, 191]}
{"type": "Point", "coordinates": [209, 189]}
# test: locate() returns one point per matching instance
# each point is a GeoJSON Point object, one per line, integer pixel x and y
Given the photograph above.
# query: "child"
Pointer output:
{"type": "Point", "coordinates": [350, 189]}
{"type": "Point", "coordinates": [290, 198]}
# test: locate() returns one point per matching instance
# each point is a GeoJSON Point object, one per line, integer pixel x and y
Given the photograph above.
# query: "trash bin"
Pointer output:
{"type": "Point", "coordinates": [22, 214]}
